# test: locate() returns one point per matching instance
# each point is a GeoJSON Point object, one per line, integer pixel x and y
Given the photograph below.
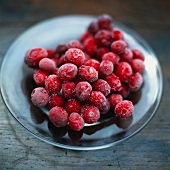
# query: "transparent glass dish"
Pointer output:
{"type": "Point", "coordinates": [17, 84]}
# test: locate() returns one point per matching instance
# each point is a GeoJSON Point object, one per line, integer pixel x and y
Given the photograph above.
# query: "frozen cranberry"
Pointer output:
{"type": "Point", "coordinates": [106, 68]}
{"type": "Point", "coordinates": [55, 71]}
{"type": "Point", "coordinates": [34, 55]}
{"type": "Point", "coordinates": [93, 27]}
{"type": "Point", "coordinates": [117, 35]}
{"type": "Point", "coordinates": [105, 21]}
{"type": "Point", "coordinates": [75, 56]}
{"type": "Point", "coordinates": [47, 64]}
{"type": "Point", "coordinates": [56, 100]}
{"type": "Point", "coordinates": [102, 86]}
{"type": "Point", "coordinates": [74, 44]}
{"type": "Point", "coordinates": [135, 82]}
{"type": "Point", "coordinates": [114, 99]}
{"type": "Point", "coordinates": [138, 54]}
{"type": "Point", "coordinates": [124, 109]}
{"type": "Point", "coordinates": [118, 46]}
{"type": "Point", "coordinates": [62, 60]}
{"type": "Point", "coordinates": [90, 46]}
{"type": "Point", "coordinates": [40, 76]}
{"type": "Point", "coordinates": [137, 65]}
{"type": "Point", "coordinates": [39, 97]}
{"type": "Point", "coordinates": [93, 63]}
{"type": "Point", "coordinates": [101, 51]}
{"type": "Point", "coordinates": [73, 105]}
{"type": "Point", "coordinates": [85, 36]}
{"type": "Point", "coordinates": [56, 60]}
{"type": "Point", "coordinates": [77, 79]}
{"type": "Point", "coordinates": [114, 82]}
{"type": "Point", "coordinates": [103, 38]}
{"type": "Point", "coordinates": [105, 107]}
{"type": "Point", "coordinates": [68, 89]}
{"type": "Point", "coordinates": [83, 90]}
{"type": "Point", "coordinates": [124, 71]}
{"type": "Point", "coordinates": [114, 58]}
{"type": "Point", "coordinates": [50, 52]}
{"type": "Point", "coordinates": [97, 98]}
{"type": "Point", "coordinates": [90, 114]}
{"type": "Point", "coordinates": [53, 84]}
{"type": "Point", "coordinates": [58, 116]}
{"type": "Point", "coordinates": [61, 48]}
{"type": "Point", "coordinates": [88, 73]}
{"type": "Point", "coordinates": [76, 122]}
{"type": "Point", "coordinates": [127, 55]}
{"type": "Point", "coordinates": [67, 71]}
{"type": "Point", "coordinates": [125, 90]}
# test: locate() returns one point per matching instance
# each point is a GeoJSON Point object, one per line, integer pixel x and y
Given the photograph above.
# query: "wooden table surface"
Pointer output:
{"type": "Point", "coordinates": [149, 149]}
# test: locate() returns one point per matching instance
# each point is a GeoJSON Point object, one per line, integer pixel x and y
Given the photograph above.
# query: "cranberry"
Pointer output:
{"type": "Point", "coordinates": [75, 56]}
{"type": "Point", "coordinates": [117, 35]}
{"type": "Point", "coordinates": [47, 64]}
{"type": "Point", "coordinates": [138, 54]}
{"type": "Point", "coordinates": [67, 71]}
{"type": "Point", "coordinates": [85, 36]}
{"type": "Point", "coordinates": [58, 116]}
{"type": "Point", "coordinates": [114, 82]}
{"type": "Point", "coordinates": [105, 21]}
{"type": "Point", "coordinates": [127, 55]}
{"type": "Point", "coordinates": [103, 38]}
{"type": "Point", "coordinates": [101, 51]}
{"type": "Point", "coordinates": [40, 76]}
{"type": "Point", "coordinates": [76, 122]}
{"type": "Point", "coordinates": [34, 55]}
{"type": "Point", "coordinates": [39, 97]}
{"type": "Point", "coordinates": [56, 60]}
{"type": "Point", "coordinates": [135, 82]}
{"type": "Point", "coordinates": [93, 27]}
{"type": "Point", "coordinates": [56, 100]}
{"type": "Point", "coordinates": [53, 84]}
{"type": "Point", "coordinates": [68, 89]}
{"type": "Point", "coordinates": [124, 109]}
{"type": "Point", "coordinates": [105, 107]}
{"type": "Point", "coordinates": [83, 90]}
{"type": "Point", "coordinates": [124, 71]}
{"type": "Point", "coordinates": [73, 105]}
{"type": "Point", "coordinates": [102, 86]}
{"type": "Point", "coordinates": [114, 99]}
{"type": "Point", "coordinates": [90, 46]}
{"type": "Point", "coordinates": [118, 46]}
{"type": "Point", "coordinates": [61, 49]}
{"type": "Point", "coordinates": [125, 90]}
{"type": "Point", "coordinates": [137, 65]}
{"type": "Point", "coordinates": [62, 60]}
{"type": "Point", "coordinates": [93, 63]}
{"type": "Point", "coordinates": [88, 73]}
{"type": "Point", "coordinates": [106, 68]}
{"type": "Point", "coordinates": [90, 114]}
{"type": "Point", "coordinates": [50, 52]}
{"type": "Point", "coordinates": [74, 44]}
{"type": "Point", "coordinates": [114, 58]}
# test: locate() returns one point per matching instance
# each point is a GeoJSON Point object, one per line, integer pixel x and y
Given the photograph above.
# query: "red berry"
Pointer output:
{"type": "Point", "coordinates": [101, 51]}
{"type": "Point", "coordinates": [39, 97]}
{"type": "Point", "coordinates": [74, 44]}
{"type": "Point", "coordinates": [93, 27]}
{"type": "Point", "coordinates": [67, 71]}
{"type": "Point", "coordinates": [118, 46]}
{"type": "Point", "coordinates": [56, 100]}
{"type": "Point", "coordinates": [124, 71]}
{"type": "Point", "coordinates": [114, 58]}
{"type": "Point", "coordinates": [117, 35]}
{"type": "Point", "coordinates": [61, 49]}
{"type": "Point", "coordinates": [106, 68]}
{"type": "Point", "coordinates": [58, 116]}
{"type": "Point", "coordinates": [102, 86]}
{"type": "Point", "coordinates": [53, 84]}
{"type": "Point", "coordinates": [105, 107]}
{"type": "Point", "coordinates": [138, 54]}
{"type": "Point", "coordinates": [137, 65]}
{"type": "Point", "coordinates": [93, 63]}
{"type": "Point", "coordinates": [103, 38]}
{"type": "Point", "coordinates": [75, 56]}
{"type": "Point", "coordinates": [56, 61]}
{"type": "Point", "coordinates": [124, 109]}
{"type": "Point", "coordinates": [40, 76]}
{"type": "Point", "coordinates": [88, 73]}
{"type": "Point", "coordinates": [87, 57]}
{"type": "Point", "coordinates": [97, 99]}
{"type": "Point", "coordinates": [76, 122]}
{"type": "Point", "coordinates": [34, 55]}
{"type": "Point", "coordinates": [68, 89]}
{"type": "Point", "coordinates": [62, 60]}
{"type": "Point", "coordinates": [105, 21]}
{"type": "Point", "coordinates": [114, 99]}
{"type": "Point", "coordinates": [114, 82]}
{"type": "Point", "coordinates": [50, 52]}
{"type": "Point", "coordinates": [127, 55]}
{"type": "Point", "coordinates": [135, 82]}
{"type": "Point", "coordinates": [47, 64]}
{"type": "Point", "coordinates": [90, 46]}
{"type": "Point", "coordinates": [90, 114]}
{"type": "Point", "coordinates": [125, 90]}
{"type": "Point", "coordinates": [83, 90]}
{"type": "Point", "coordinates": [73, 105]}
{"type": "Point", "coordinates": [85, 36]}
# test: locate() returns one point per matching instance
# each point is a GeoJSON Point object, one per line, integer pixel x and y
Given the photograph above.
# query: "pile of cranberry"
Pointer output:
{"type": "Point", "coordinates": [83, 79]}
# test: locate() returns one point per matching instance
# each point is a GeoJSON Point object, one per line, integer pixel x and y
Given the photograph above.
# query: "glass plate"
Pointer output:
{"type": "Point", "coordinates": [17, 84]}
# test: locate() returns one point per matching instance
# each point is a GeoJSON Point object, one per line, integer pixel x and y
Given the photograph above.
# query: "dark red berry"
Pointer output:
{"type": "Point", "coordinates": [56, 100]}
{"type": "Point", "coordinates": [61, 48]}
{"type": "Point", "coordinates": [114, 58]}
{"type": "Point", "coordinates": [93, 27]}
{"type": "Point", "coordinates": [118, 46]}
{"type": "Point", "coordinates": [105, 21]}
{"type": "Point", "coordinates": [68, 89]}
{"type": "Point", "coordinates": [51, 52]}
{"type": "Point", "coordinates": [105, 107]}
{"type": "Point", "coordinates": [124, 90]}
{"type": "Point", "coordinates": [90, 46]}
{"type": "Point", "coordinates": [138, 65]}
{"type": "Point", "coordinates": [106, 68]}
{"type": "Point", "coordinates": [127, 55]}
{"type": "Point", "coordinates": [93, 63]}
{"type": "Point", "coordinates": [85, 36]}
{"type": "Point", "coordinates": [101, 51]}
{"type": "Point", "coordinates": [114, 99]}
{"type": "Point", "coordinates": [117, 35]}
{"type": "Point", "coordinates": [47, 64]}
{"type": "Point", "coordinates": [74, 44]}
{"type": "Point", "coordinates": [40, 76]}
{"type": "Point", "coordinates": [138, 54]}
